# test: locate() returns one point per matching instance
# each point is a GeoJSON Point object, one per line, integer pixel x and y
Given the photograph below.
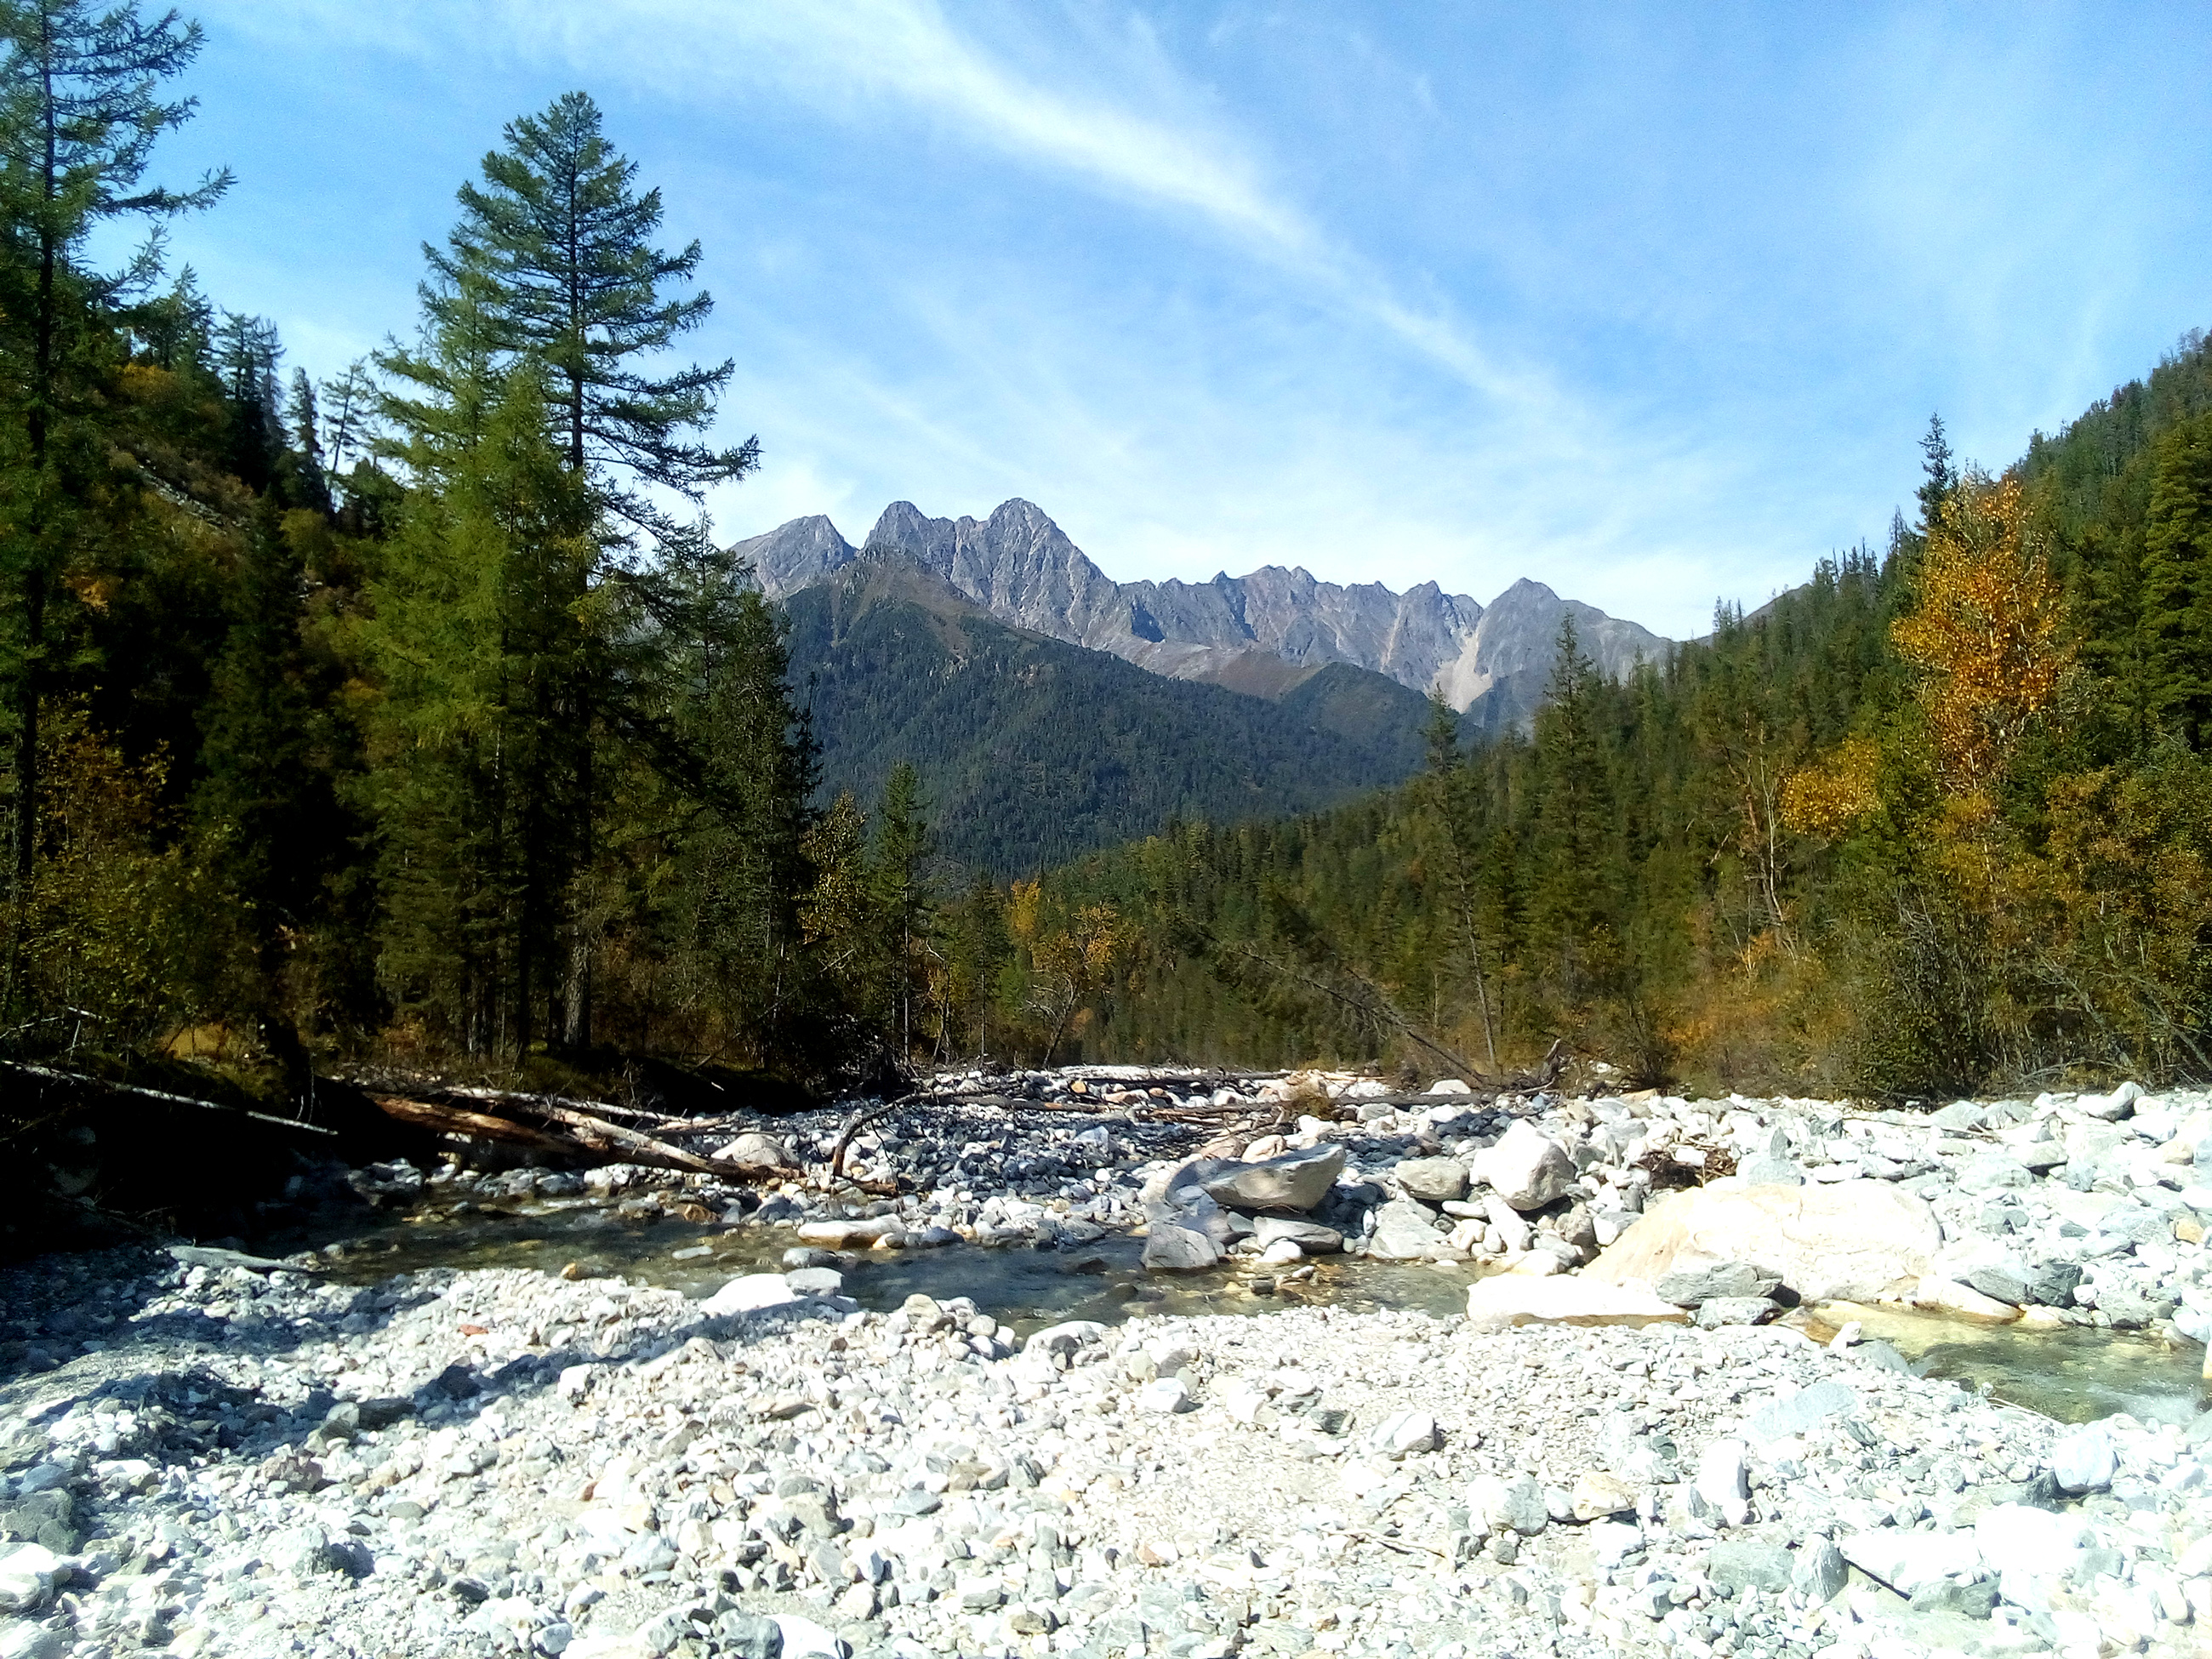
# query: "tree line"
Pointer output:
{"type": "Point", "coordinates": [1938, 820]}
{"type": "Point", "coordinates": [415, 712]}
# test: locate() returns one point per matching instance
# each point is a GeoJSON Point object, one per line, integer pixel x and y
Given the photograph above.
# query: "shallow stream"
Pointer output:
{"type": "Point", "coordinates": [2074, 1374]}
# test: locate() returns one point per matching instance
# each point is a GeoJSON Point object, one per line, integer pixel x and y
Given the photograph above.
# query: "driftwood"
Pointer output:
{"type": "Point", "coordinates": [565, 1130]}
{"type": "Point", "coordinates": [72, 1080]}
{"type": "Point", "coordinates": [633, 1146]}
{"type": "Point", "coordinates": [482, 1125]}
{"type": "Point", "coordinates": [853, 1125]}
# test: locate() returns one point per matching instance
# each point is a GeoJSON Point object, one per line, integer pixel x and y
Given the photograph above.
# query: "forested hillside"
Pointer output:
{"type": "Point", "coordinates": [1031, 752]}
{"type": "Point", "coordinates": [416, 715]}
{"type": "Point", "coordinates": [1939, 819]}
{"type": "Point", "coordinates": [411, 714]}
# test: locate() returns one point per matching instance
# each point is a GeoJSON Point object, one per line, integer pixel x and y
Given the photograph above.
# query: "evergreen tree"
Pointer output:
{"type": "Point", "coordinates": [248, 354]}
{"type": "Point", "coordinates": [263, 810]}
{"type": "Point", "coordinates": [555, 247]}
{"type": "Point", "coordinates": [712, 712]}
{"type": "Point", "coordinates": [481, 633]}
{"type": "Point", "coordinates": [1939, 474]}
{"type": "Point", "coordinates": [2177, 583]}
{"type": "Point", "coordinates": [349, 403]}
{"type": "Point", "coordinates": [79, 118]}
{"type": "Point", "coordinates": [902, 891]}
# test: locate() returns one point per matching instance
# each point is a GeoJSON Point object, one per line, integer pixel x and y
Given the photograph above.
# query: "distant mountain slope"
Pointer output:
{"type": "Point", "coordinates": [1034, 751]}
{"type": "Point", "coordinates": [1249, 632]}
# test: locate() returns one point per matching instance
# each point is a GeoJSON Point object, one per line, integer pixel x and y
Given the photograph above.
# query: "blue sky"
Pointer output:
{"type": "Point", "coordinates": [1649, 302]}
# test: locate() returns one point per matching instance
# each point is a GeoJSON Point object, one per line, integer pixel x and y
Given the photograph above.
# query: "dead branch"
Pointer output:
{"type": "Point", "coordinates": [857, 1122]}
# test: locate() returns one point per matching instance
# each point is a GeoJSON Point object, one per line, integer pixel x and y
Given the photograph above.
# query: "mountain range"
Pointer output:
{"type": "Point", "coordinates": [1262, 634]}
{"type": "Point", "coordinates": [1033, 751]}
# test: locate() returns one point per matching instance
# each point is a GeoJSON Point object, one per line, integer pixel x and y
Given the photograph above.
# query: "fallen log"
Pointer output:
{"type": "Point", "coordinates": [481, 1126]}
{"type": "Point", "coordinates": [635, 1147]}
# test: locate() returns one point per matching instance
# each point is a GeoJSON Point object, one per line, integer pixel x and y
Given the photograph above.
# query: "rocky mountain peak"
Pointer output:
{"type": "Point", "coordinates": [1022, 567]}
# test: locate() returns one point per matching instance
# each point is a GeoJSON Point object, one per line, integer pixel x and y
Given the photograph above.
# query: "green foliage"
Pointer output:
{"type": "Point", "coordinates": [554, 252]}
{"type": "Point", "coordinates": [1034, 752]}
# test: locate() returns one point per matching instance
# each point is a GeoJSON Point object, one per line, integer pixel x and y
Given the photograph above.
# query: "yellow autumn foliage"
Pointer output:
{"type": "Point", "coordinates": [1827, 799]}
{"type": "Point", "coordinates": [1986, 635]}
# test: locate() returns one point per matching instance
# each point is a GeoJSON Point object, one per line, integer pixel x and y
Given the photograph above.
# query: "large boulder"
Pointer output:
{"type": "Point", "coordinates": [1852, 1241]}
{"type": "Point", "coordinates": [1404, 1231]}
{"type": "Point", "coordinates": [754, 1151]}
{"type": "Point", "coordinates": [1432, 1180]}
{"type": "Point", "coordinates": [1310, 1237]}
{"type": "Point", "coordinates": [1503, 1300]}
{"type": "Point", "coordinates": [1693, 1286]}
{"type": "Point", "coordinates": [1525, 1169]}
{"type": "Point", "coordinates": [1176, 1249]}
{"type": "Point", "coordinates": [1295, 1181]}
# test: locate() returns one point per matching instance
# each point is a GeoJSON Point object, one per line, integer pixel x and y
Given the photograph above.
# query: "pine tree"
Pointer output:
{"type": "Point", "coordinates": [555, 248]}
{"type": "Point", "coordinates": [79, 118]}
{"type": "Point", "coordinates": [710, 708]}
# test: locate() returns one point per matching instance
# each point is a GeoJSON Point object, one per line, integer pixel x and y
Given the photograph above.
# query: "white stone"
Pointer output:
{"type": "Point", "coordinates": [1724, 1479]}
{"type": "Point", "coordinates": [1911, 1561]}
{"type": "Point", "coordinates": [1613, 1541]}
{"type": "Point", "coordinates": [1854, 1241]}
{"type": "Point", "coordinates": [27, 1576]}
{"type": "Point", "coordinates": [1961, 1301]}
{"type": "Point", "coordinates": [754, 1151]}
{"type": "Point", "coordinates": [1525, 1168]}
{"type": "Point", "coordinates": [1450, 1086]}
{"type": "Point", "coordinates": [804, 1639]}
{"type": "Point", "coordinates": [1503, 1300]}
{"type": "Point", "coordinates": [749, 1293]}
{"type": "Point", "coordinates": [2085, 1461]}
{"type": "Point", "coordinates": [1403, 1434]}
{"type": "Point", "coordinates": [1165, 1396]}
{"type": "Point", "coordinates": [2034, 1550]}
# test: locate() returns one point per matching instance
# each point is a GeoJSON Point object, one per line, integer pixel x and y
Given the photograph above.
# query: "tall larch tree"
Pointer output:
{"type": "Point", "coordinates": [81, 111]}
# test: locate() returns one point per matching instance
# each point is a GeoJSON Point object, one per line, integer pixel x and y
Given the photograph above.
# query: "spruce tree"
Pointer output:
{"type": "Point", "coordinates": [2176, 582]}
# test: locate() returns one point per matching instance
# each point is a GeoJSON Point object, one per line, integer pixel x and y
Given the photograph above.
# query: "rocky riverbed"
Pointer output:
{"type": "Point", "coordinates": [1638, 1438]}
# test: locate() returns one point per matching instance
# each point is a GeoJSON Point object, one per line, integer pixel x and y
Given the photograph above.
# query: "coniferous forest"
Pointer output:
{"type": "Point", "coordinates": [416, 716]}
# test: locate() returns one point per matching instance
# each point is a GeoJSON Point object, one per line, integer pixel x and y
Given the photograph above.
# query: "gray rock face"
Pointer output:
{"type": "Point", "coordinates": [1690, 1286]}
{"type": "Point", "coordinates": [2050, 1284]}
{"type": "Point", "coordinates": [1171, 1248]}
{"type": "Point", "coordinates": [2084, 1460]}
{"type": "Point", "coordinates": [1991, 1170]}
{"type": "Point", "coordinates": [1022, 567]}
{"type": "Point", "coordinates": [1807, 1409]}
{"type": "Point", "coordinates": [1296, 1180]}
{"type": "Point", "coordinates": [1770, 1172]}
{"type": "Point", "coordinates": [1433, 1180]}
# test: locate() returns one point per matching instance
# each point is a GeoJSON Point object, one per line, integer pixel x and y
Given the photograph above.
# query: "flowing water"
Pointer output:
{"type": "Point", "coordinates": [2073, 1374]}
